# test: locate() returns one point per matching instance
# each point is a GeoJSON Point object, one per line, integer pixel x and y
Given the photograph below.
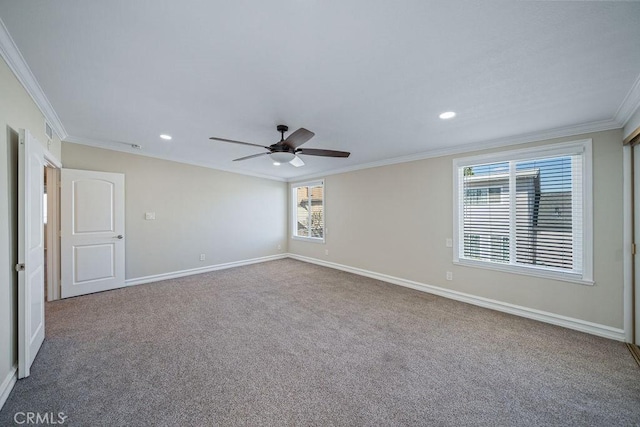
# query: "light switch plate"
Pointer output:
{"type": "Point", "coordinates": [149, 215]}
{"type": "Point", "coordinates": [449, 243]}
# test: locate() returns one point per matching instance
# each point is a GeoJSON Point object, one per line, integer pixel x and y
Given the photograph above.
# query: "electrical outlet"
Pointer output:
{"type": "Point", "coordinates": [326, 251]}
{"type": "Point", "coordinates": [149, 215]}
{"type": "Point", "coordinates": [201, 257]}
{"type": "Point", "coordinates": [449, 275]}
{"type": "Point", "coordinates": [279, 247]}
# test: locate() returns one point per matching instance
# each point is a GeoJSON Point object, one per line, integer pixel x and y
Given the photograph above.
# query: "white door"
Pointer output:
{"type": "Point", "coordinates": [30, 251]}
{"type": "Point", "coordinates": [92, 231]}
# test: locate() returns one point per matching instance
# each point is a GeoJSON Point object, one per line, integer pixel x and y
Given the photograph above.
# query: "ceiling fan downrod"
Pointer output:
{"type": "Point", "coordinates": [282, 129]}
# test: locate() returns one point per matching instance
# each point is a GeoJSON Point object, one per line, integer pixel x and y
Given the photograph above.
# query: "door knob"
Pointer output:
{"type": "Point", "coordinates": [119, 236]}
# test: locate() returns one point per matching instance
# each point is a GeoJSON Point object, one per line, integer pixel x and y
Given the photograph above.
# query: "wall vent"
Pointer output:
{"type": "Point", "coordinates": [48, 130]}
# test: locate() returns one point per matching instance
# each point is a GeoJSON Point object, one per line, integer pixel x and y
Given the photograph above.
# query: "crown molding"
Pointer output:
{"type": "Point", "coordinates": [567, 131]}
{"type": "Point", "coordinates": [630, 104]}
{"type": "Point", "coordinates": [125, 147]}
{"type": "Point", "coordinates": [584, 128]}
{"type": "Point", "coordinates": [14, 59]}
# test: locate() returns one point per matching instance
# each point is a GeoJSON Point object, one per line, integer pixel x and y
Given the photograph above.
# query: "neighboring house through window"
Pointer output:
{"type": "Point", "coordinates": [526, 211]}
{"type": "Point", "coordinates": [308, 210]}
{"type": "Point", "coordinates": [483, 196]}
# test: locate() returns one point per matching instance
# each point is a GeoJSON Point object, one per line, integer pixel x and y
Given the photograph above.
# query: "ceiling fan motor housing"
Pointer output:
{"type": "Point", "coordinates": [281, 148]}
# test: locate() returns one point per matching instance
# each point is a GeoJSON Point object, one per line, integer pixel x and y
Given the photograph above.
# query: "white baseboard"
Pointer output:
{"type": "Point", "coordinates": [200, 270]}
{"type": "Point", "coordinates": [531, 313]}
{"type": "Point", "coordinates": [7, 385]}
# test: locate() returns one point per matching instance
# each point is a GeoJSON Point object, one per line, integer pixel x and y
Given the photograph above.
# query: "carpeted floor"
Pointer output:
{"type": "Point", "coordinates": [291, 343]}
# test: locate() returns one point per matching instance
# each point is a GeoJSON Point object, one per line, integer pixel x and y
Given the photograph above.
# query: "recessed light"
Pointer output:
{"type": "Point", "coordinates": [276, 163]}
{"type": "Point", "coordinates": [447, 115]}
{"type": "Point", "coordinates": [165, 136]}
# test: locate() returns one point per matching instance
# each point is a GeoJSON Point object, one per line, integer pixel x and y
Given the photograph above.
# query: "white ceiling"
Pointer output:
{"type": "Point", "coordinates": [368, 77]}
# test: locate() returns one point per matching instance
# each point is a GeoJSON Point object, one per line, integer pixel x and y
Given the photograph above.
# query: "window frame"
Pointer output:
{"type": "Point", "coordinates": [582, 147]}
{"type": "Point", "coordinates": [294, 213]}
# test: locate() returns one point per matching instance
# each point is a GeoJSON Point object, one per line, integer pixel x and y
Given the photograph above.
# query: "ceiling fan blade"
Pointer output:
{"type": "Point", "coordinates": [325, 153]}
{"type": "Point", "coordinates": [298, 138]}
{"type": "Point", "coordinates": [237, 142]}
{"type": "Point", "coordinates": [250, 157]}
{"type": "Point", "coordinates": [297, 162]}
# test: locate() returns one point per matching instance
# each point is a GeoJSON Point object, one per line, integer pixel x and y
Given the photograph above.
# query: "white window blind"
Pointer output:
{"type": "Point", "coordinates": [528, 212]}
{"type": "Point", "coordinates": [308, 210]}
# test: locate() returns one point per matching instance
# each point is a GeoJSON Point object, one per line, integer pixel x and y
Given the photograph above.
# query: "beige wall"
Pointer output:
{"type": "Point", "coordinates": [226, 216]}
{"type": "Point", "coordinates": [395, 220]}
{"type": "Point", "coordinates": [17, 111]}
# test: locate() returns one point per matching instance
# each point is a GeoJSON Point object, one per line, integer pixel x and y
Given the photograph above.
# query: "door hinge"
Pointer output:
{"type": "Point", "coordinates": [20, 267]}
{"type": "Point", "coordinates": [633, 249]}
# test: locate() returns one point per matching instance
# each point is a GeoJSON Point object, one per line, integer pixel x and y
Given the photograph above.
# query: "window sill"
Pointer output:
{"type": "Point", "coordinates": [309, 239]}
{"type": "Point", "coordinates": [526, 271]}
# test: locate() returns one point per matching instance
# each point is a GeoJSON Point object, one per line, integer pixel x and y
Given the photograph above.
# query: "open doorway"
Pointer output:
{"type": "Point", "coordinates": [51, 219]}
{"type": "Point", "coordinates": [46, 240]}
{"type": "Point", "coordinates": [631, 189]}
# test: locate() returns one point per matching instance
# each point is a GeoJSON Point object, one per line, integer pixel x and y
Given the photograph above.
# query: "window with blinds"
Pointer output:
{"type": "Point", "coordinates": [308, 210]}
{"type": "Point", "coordinates": [526, 211]}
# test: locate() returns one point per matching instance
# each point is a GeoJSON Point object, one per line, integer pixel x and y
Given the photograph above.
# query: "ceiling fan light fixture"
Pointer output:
{"type": "Point", "coordinates": [282, 156]}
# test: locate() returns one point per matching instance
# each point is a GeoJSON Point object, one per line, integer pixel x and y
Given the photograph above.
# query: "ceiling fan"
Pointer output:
{"type": "Point", "coordinates": [286, 150]}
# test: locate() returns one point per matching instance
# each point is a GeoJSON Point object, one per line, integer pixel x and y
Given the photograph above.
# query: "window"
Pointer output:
{"type": "Point", "coordinates": [308, 210]}
{"type": "Point", "coordinates": [526, 211]}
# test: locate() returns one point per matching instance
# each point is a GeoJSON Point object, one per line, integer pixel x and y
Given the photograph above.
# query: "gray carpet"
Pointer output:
{"type": "Point", "coordinates": [291, 343]}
